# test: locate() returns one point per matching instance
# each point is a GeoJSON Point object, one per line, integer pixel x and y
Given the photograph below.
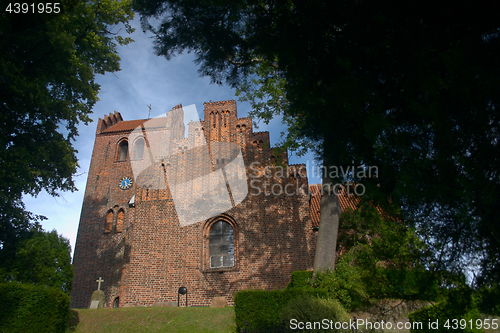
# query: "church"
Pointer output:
{"type": "Point", "coordinates": [209, 206]}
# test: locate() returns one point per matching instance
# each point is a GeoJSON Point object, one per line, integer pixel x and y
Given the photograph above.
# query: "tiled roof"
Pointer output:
{"type": "Point", "coordinates": [346, 201]}
{"type": "Point", "coordinates": [127, 125]}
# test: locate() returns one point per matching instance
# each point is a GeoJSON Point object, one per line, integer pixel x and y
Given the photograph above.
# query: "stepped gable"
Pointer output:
{"type": "Point", "coordinates": [108, 121]}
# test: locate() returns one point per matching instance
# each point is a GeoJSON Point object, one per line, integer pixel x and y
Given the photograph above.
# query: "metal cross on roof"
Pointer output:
{"type": "Point", "coordinates": [99, 281]}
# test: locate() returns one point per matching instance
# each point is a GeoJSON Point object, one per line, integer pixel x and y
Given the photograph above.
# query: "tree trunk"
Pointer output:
{"type": "Point", "coordinates": [324, 259]}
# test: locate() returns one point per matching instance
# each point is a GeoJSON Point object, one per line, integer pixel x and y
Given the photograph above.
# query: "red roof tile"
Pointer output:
{"type": "Point", "coordinates": [127, 125]}
{"type": "Point", "coordinates": [346, 201]}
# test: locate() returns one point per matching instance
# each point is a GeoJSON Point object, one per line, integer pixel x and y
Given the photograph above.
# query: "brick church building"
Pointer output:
{"type": "Point", "coordinates": [131, 233]}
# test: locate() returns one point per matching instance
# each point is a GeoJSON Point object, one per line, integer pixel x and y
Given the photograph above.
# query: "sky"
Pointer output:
{"type": "Point", "coordinates": [145, 79]}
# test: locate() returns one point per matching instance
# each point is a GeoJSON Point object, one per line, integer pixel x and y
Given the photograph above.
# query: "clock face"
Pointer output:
{"type": "Point", "coordinates": [126, 183]}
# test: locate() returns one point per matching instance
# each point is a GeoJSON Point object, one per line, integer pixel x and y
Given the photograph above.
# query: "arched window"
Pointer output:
{"type": "Point", "coordinates": [116, 302]}
{"type": "Point", "coordinates": [119, 220]}
{"type": "Point", "coordinates": [123, 150]}
{"type": "Point", "coordinates": [139, 149]}
{"type": "Point", "coordinates": [221, 245]}
{"type": "Point", "coordinates": [109, 222]}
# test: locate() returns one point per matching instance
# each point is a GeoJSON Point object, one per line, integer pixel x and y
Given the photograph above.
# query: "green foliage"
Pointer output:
{"type": "Point", "coordinates": [262, 308]}
{"type": "Point", "coordinates": [381, 239]}
{"type": "Point", "coordinates": [265, 91]}
{"type": "Point", "coordinates": [28, 308]}
{"type": "Point", "coordinates": [458, 305]}
{"type": "Point", "coordinates": [488, 299]}
{"type": "Point", "coordinates": [306, 308]}
{"type": "Point", "coordinates": [385, 260]}
{"type": "Point", "coordinates": [47, 87]}
{"type": "Point", "coordinates": [356, 287]}
{"type": "Point", "coordinates": [301, 280]}
{"type": "Point", "coordinates": [407, 284]}
{"type": "Point", "coordinates": [386, 257]}
{"type": "Point", "coordinates": [397, 87]}
{"type": "Point", "coordinates": [43, 259]}
{"type": "Point", "coordinates": [346, 284]}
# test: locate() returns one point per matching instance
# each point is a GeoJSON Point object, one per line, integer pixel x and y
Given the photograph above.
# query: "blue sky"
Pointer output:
{"type": "Point", "coordinates": [145, 79]}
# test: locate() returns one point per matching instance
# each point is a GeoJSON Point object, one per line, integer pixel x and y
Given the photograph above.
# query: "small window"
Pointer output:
{"type": "Point", "coordinates": [116, 302]}
{"type": "Point", "coordinates": [221, 245]}
{"type": "Point", "coordinates": [123, 150]}
{"type": "Point", "coordinates": [109, 222]}
{"type": "Point", "coordinates": [139, 149]}
{"type": "Point", "coordinates": [119, 221]}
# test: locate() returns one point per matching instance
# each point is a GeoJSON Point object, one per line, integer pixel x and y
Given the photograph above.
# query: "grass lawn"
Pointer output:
{"type": "Point", "coordinates": [166, 320]}
{"type": "Point", "coordinates": [154, 319]}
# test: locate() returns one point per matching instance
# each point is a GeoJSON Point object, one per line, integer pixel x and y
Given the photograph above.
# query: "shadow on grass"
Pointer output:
{"type": "Point", "coordinates": [73, 320]}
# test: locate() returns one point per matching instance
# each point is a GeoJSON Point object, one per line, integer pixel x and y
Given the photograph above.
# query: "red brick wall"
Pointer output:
{"type": "Point", "coordinates": [153, 256]}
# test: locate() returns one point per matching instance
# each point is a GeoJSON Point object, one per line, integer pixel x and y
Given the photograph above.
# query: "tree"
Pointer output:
{"type": "Point", "coordinates": [42, 259]}
{"type": "Point", "coordinates": [48, 65]}
{"type": "Point", "coordinates": [410, 88]}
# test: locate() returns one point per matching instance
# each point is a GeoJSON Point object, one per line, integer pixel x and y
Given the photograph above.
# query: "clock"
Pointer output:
{"type": "Point", "coordinates": [126, 183]}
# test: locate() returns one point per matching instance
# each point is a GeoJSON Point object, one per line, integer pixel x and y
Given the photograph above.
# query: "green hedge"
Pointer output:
{"type": "Point", "coordinates": [308, 309]}
{"type": "Point", "coordinates": [31, 308]}
{"type": "Point", "coordinates": [262, 308]}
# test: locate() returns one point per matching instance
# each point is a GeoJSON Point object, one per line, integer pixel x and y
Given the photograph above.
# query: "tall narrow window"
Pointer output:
{"type": "Point", "coordinates": [139, 149]}
{"type": "Point", "coordinates": [109, 222]}
{"type": "Point", "coordinates": [123, 151]}
{"type": "Point", "coordinates": [221, 245]}
{"type": "Point", "coordinates": [119, 220]}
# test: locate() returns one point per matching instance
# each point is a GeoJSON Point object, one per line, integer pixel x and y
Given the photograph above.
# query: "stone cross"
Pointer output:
{"type": "Point", "coordinates": [99, 281]}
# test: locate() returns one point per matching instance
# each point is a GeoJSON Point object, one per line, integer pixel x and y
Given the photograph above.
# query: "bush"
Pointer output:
{"type": "Point", "coordinates": [407, 283]}
{"type": "Point", "coordinates": [308, 309]}
{"type": "Point", "coordinates": [262, 308]}
{"type": "Point", "coordinates": [301, 280]}
{"type": "Point", "coordinates": [457, 305]}
{"type": "Point", "coordinates": [488, 299]}
{"type": "Point", "coordinates": [29, 308]}
{"type": "Point", "coordinates": [345, 284]}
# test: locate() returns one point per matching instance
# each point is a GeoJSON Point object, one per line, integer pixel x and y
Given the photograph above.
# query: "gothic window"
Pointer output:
{"type": "Point", "coordinates": [119, 221]}
{"type": "Point", "coordinates": [139, 149]}
{"type": "Point", "coordinates": [221, 245]}
{"type": "Point", "coordinates": [123, 150]}
{"type": "Point", "coordinates": [109, 222]}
